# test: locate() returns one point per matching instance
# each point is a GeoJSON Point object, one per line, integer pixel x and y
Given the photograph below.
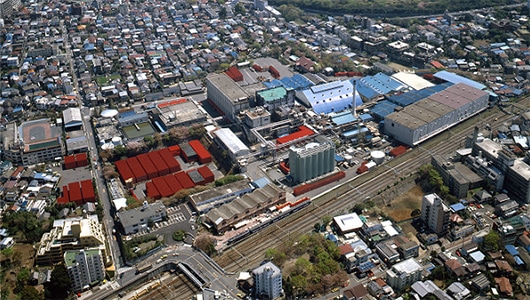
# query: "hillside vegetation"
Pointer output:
{"type": "Point", "coordinates": [390, 8]}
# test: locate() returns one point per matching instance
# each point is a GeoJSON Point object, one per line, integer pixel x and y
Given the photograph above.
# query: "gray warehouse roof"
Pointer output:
{"type": "Point", "coordinates": [133, 216]}
{"type": "Point", "coordinates": [227, 86]}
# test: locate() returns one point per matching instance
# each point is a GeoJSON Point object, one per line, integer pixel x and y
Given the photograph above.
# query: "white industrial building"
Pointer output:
{"type": "Point", "coordinates": [404, 274]}
{"type": "Point", "coordinates": [229, 97]}
{"type": "Point", "coordinates": [430, 116]}
{"type": "Point", "coordinates": [348, 223]}
{"type": "Point", "coordinates": [72, 118]}
{"type": "Point", "coordinates": [267, 281]}
{"type": "Point", "coordinates": [227, 140]}
{"type": "Point", "coordinates": [412, 80]}
{"type": "Point", "coordinates": [312, 160]}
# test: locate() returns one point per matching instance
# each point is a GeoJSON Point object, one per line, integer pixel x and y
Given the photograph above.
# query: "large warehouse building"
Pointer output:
{"type": "Point", "coordinates": [330, 97]}
{"type": "Point", "coordinates": [430, 116]}
{"type": "Point", "coordinates": [229, 97]}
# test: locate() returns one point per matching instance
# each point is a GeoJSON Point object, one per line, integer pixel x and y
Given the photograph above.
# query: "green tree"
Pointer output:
{"type": "Point", "coordinates": [24, 224]}
{"type": "Point", "coordinates": [240, 8]}
{"type": "Point", "coordinates": [59, 285]}
{"type": "Point", "coordinates": [119, 152]}
{"type": "Point", "coordinates": [179, 235]}
{"type": "Point", "coordinates": [29, 292]}
{"type": "Point", "coordinates": [22, 280]}
{"type": "Point", "coordinates": [492, 241]}
{"type": "Point", "coordinates": [326, 220]}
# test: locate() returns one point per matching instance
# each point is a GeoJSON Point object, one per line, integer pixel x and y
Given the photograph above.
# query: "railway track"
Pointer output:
{"type": "Point", "coordinates": [250, 252]}
{"type": "Point", "coordinates": [177, 287]}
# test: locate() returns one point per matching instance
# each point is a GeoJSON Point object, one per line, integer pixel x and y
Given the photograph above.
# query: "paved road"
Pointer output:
{"type": "Point", "coordinates": [214, 276]}
{"type": "Point", "coordinates": [101, 186]}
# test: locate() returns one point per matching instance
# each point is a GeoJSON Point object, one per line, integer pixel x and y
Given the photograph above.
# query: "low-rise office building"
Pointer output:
{"type": "Point", "coordinates": [134, 220]}
{"type": "Point", "coordinates": [404, 274]}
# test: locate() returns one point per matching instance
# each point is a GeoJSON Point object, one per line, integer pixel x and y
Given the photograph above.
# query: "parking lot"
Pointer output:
{"type": "Point", "coordinates": [178, 218]}
{"type": "Point", "coordinates": [72, 175]}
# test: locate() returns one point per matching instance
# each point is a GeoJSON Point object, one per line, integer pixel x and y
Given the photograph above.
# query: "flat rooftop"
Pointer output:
{"type": "Point", "coordinates": [139, 130]}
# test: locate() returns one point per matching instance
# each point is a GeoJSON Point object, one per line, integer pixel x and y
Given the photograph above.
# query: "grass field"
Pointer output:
{"type": "Point", "coordinates": [401, 207]}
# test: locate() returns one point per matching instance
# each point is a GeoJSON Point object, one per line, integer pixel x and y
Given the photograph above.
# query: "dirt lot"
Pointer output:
{"type": "Point", "coordinates": [402, 206]}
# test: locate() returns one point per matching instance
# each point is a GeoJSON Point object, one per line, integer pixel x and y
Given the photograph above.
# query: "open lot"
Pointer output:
{"type": "Point", "coordinates": [401, 207]}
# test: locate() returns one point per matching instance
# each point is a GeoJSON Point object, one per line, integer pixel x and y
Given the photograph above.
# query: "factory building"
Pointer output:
{"type": "Point", "coordinates": [276, 97]}
{"type": "Point", "coordinates": [226, 95]}
{"type": "Point", "coordinates": [430, 116]}
{"type": "Point", "coordinates": [330, 97]}
{"type": "Point", "coordinates": [180, 112]}
{"type": "Point", "coordinates": [228, 215]}
{"type": "Point", "coordinates": [312, 160]}
{"type": "Point", "coordinates": [228, 141]}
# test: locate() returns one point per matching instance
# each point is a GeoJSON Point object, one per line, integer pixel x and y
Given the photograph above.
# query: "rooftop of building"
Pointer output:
{"type": "Point", "coordinates": [70, 255]}
{"type": "Point", "coordinates": [227, 86]}
{"type": "Point", "coordinates": [408, 266]}
{"type": "Point", "coordinates": [133, 216]}
{"type": "Point", "coordinates": [273, 94]}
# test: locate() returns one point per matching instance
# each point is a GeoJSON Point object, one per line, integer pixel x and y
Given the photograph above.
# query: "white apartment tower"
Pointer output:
{"type": "Point", "coordinates": [267, 281]}
{"type": "Point", "coordinates": [435, 213]}
{"type": "Point", "coordinates": [85, 267]}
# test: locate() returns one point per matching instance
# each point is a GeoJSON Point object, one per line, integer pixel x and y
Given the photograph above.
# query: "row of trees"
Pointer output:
{"type": "Point", "coordinates": [387, 9]}
{"type": "Point", "coordinates": [316, 266]}
{"type": "Point", "coordinates": [24, 225]}
{"type": "Point", "coordinates": [431, 181]}
{"type": "Point", "coordinates": [174, 136]}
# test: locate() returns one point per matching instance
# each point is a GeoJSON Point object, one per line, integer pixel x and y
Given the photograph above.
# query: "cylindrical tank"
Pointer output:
{"type": "Point", "coordinates": [378, 157]}
{"type": "Point", "coordinates": [117, 141]}
{"type": "Point", "coordinates": [348, 158]}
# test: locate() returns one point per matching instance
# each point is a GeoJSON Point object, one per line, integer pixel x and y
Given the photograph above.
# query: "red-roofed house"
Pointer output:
{"type": "Point", "coordinates": [505, 287]}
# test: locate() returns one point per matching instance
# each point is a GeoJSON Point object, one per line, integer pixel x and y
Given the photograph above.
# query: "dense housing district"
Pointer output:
{"type": "Point", "coordinates": [222, 150]}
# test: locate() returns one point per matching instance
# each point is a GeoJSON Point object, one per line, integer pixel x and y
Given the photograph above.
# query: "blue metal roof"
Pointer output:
{"type": "Point", "coordinates": [366, 266]}
{"type": "Point", "coordinates": [511, 249]}
{"type": "Point", "coordinates": [296, 82]}
{"type": "Point", "coordinates": [331, 97]}
{"type": "Point", "coordinates": [354, 132]}
{"type": "Point", "coordinates": [366, 117]}
{"type": "Point", "coordinates": [338, 158]}
{"type": "Point", "coordinates": [458, 207]}
{"type": "Point", "coordinates": [343, 118]}
{"type": "Point", "coordinates": [261, 182]}
{"type": "Point", "coordinates": [379, 84]}
{"type": "Point", "coordinates": [383, 109]}
{"type": "Point", "coordinates": [518, 260]}
{"type": "Point", "coordinates": [455, 78]}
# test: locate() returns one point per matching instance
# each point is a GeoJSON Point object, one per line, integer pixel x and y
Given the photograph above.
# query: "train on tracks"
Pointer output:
{"type": "Point", "coordinates": [285, 209]}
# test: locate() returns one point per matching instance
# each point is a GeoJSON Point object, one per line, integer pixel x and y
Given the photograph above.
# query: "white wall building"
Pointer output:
{"type": "Point", "coordinates": [267, 281]}
{"type": "Point", "coordinates": [430, 116]}
{"type": "Point", "coordinates": [85, 267]}
{"type": "Point", "coordinates": [230, 142]}
{"type": "Point", "coordinates": [404, 273]}
{"type": "Point", "coordinates": [435, 213]}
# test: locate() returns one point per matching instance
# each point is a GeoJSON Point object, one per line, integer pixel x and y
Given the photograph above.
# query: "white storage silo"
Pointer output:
{"type": "Point", "coordinates": [378, 157]}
